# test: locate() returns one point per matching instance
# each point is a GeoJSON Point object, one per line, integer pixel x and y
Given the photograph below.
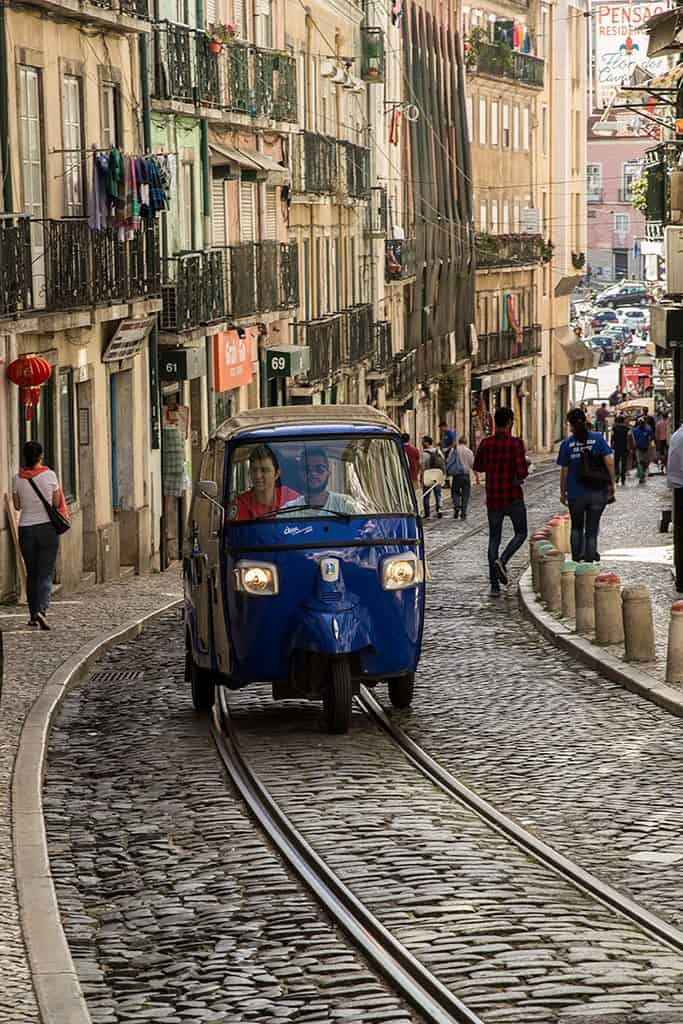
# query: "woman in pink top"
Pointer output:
{"type": "Point", "coordinates": [662, 440]}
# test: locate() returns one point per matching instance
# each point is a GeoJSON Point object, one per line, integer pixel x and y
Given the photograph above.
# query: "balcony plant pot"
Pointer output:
{"type": "Point", "coordinates": [215, 46]}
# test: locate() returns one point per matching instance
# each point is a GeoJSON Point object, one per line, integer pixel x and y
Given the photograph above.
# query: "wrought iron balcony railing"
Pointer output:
{"type": "Point", "coordinates": [508, 250]}
{"type": "Point", "coordinates": [261, 277]}
{"type": "Point", "coordinates": [185, 69]}
{"type": "Point", "coordinates": [399, 259]}
{"type": "Point", "coordinates": [16, 271]}
{"type": "Point", "coordinates": [123, 269]}
{"type": "Point", "coordinates": [359, 332]}
{"type": "Point", "coordinates": [377, 212]}
{"type": "Point", "coordinates": [289, 275]}
{"type": "Point", "coordinates": [135, 8]}
{"type": "Point", "coordinates": [499, 60]}
{"type": "Point", "coordinates": [595, 195]}
{"type": "Point", "coordinates": [193, 290]}
{"type": "Point", "coordinates": [504, 346]}
{"type": "Point", "coordinates": [258, 82]}
{"type": "Point", "coordinates": [403, 377]}
{"type": "Point", "coordinates": [316, 165]}
{"type": "Point", "coordinates": [355, 169]}
{"type": "Point", "coordinates": [382, 353]}
{"type": "Point", "coordinates": [325, 338]}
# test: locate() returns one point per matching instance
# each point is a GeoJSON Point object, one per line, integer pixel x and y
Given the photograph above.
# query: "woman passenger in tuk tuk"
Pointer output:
{"type": "Point", "coordinates": [267, 493]}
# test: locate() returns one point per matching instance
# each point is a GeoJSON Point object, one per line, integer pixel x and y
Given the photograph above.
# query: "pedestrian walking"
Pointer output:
{"type": "Point", "coordinates": [433, 476]}
{"type": "Point", "coordinates": [620, 432]}
{"type": "Point", "coordinates": [586, 483]}
{"type": "Point", "coordinates": [446, 436]}
{"type": "Point", "coordinates": [414, 461]}
{"type": "Point", "coordinates": [503, 459]}
{"type": "Point", "coordinates": [459, 469]}
{"type": "Point", "coordinates": [662, 435]}
{"type": "Point", "coordinates": [602, 419]}
{"type": "Point", "coordinates": [35, 490]}
{"type": "Point", "coordinates": [642, 439]}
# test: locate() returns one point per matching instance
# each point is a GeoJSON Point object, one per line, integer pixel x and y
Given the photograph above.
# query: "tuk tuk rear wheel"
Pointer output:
{"type": "Point", "coordinates": [201, 682]}
{"type": "Point", "coordinates": [401, 690]}
{"type": "Point", "coordinates": [338, 696]}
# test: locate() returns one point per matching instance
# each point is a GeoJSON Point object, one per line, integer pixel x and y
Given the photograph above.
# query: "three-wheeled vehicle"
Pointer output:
{"type": "Point", "coordinates": [304, 559]}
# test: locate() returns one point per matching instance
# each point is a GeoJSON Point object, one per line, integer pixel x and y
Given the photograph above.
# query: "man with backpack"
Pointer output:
{"type": "Point", "coordinates": [459, 463]}
{"type": "Point", "coordinates": [433, 472]}
{"type": "Point", "coordinates": [642, 436]}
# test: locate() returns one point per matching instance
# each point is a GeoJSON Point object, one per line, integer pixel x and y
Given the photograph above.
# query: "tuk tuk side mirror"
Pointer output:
{"type": "Point", "coordinates": [207, 489]}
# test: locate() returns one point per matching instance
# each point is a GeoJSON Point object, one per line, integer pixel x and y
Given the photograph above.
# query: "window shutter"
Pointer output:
{"type": "Point", "coordinates": [238, 11]}
{"type": "Point", "coordinates": [211, 12]}
{"type": "Point", "coordinates": [246, 211]}
{"type": "Point", "coordinates": [218, 211]}
{"type": "Point", "coordinates": [271, 213]}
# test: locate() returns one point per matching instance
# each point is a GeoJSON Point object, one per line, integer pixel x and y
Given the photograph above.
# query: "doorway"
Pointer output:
{"type": "Point", "coordinates": [86, 473]}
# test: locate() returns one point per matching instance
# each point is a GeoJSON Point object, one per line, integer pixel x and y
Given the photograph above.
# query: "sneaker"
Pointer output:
{"type": "Point", "coordinates": [500, 571]}
{"type": "Point", "coordinates": [42, 621]}
{"type": "Point", "coordinates": [456, 514]}
{"type": "Point", "coordinates": [32, 624]}
{"type": "Point", "coordinates": [495, 590]}
{"type": "Point", "coordinates": [439, 514]}
{"type": "Point", "coordinates": [463, 515]}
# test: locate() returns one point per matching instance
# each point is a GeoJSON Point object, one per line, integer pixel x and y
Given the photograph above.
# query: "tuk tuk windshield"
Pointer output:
{"type": "Point", "coordinates": [341, 476]}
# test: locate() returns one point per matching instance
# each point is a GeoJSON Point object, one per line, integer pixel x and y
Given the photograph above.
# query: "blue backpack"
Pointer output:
{"type": "Point", "coordinates": [454, 464]}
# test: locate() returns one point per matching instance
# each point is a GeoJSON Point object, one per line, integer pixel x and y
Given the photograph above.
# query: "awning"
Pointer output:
{"type": "Point", "coordinates": [265, 168]}
{"type": "Point", "coordinates": [570, 353]}
{"type": "Point", "coordinates": [663, 31]}
{"type": "Point", "coordinates": [566, 285]}
{"type": "Point", "coordinates": [641, 86]}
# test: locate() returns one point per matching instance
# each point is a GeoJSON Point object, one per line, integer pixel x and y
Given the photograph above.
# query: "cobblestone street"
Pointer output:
{"type": "Point", "coordinates": [167, 891]}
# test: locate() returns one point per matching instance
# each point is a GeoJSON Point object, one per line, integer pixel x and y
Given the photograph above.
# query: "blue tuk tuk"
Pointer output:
{"type": "Point", "coordinates": [304, 559]}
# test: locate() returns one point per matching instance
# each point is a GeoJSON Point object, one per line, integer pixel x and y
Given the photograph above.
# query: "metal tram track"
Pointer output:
{"type": "Point", "coordinates": [404, 973]}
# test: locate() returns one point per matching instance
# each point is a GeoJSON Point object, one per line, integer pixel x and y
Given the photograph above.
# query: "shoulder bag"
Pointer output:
{"type": "Point", "coordinates": [593, 472]}
{"type": "Point", "coordinates": [60, 522]}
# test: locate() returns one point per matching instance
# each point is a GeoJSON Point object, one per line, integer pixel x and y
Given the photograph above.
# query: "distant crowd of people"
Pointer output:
{"type": "Point", "coordinates": [447, 463]}
{"type": "Point", "coordinates": [639, 440]}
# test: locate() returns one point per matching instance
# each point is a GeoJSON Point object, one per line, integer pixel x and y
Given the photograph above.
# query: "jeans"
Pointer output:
{"type": "Point", "coordinates": [427, 499]}
{"type": "Point", "coordinates": [39, 546]}
{"type": "Point", "coordinates": [517, 514]}
{"type": "Point", "coordinates": [460, 492]}
{"type": "Point", "coordinates": [586, 512]}
{"type": "Point", "coordinates": [620, 463]}
{"type": "Point", "coordinates": [642, 463]}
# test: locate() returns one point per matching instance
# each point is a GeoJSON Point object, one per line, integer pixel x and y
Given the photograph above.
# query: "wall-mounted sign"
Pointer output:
{"type": "Point", "coordinates": [178, 364]}
{"type": "Point", "coordinates": [129, 339]}
{"type": "Point", "coordinates": [232, 363]}
{"type": "Point", "coordinates": [287, 360]}
{"type": "Point", "coordinates": [531, 221]}
{"type": "Point", "coordinates": [619, 44]}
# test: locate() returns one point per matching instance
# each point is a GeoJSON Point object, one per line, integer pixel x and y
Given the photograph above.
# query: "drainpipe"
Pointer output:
{"type": "Point", "coordinates": [5, 156]}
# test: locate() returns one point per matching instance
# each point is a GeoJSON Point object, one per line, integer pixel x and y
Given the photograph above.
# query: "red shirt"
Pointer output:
{"type": "Point", "coordinates": [414, 460]}
{"type": "Point", "coordinates": [502, 458]}
{"type": "Point", "coordinates": [249, 508]}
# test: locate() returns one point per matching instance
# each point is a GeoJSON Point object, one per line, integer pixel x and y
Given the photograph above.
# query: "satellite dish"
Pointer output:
{"type": "Point", "coordinates": [412, 113]}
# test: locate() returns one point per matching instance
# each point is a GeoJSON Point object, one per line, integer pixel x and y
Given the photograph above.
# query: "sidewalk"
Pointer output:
{"type": "Point", "coordinates": [31, 657]}
{"type": "Point", "coordinates": [631, 545]}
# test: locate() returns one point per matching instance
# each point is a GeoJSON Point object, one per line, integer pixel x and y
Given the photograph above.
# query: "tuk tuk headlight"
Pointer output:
{"type": "Point", "coordinates": [401, 571]}
{"type": "Point", "coordinates": [259, 579]}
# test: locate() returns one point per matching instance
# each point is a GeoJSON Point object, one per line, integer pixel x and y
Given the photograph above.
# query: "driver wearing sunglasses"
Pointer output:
{"type": "Point", "coordinates": [316, 468]}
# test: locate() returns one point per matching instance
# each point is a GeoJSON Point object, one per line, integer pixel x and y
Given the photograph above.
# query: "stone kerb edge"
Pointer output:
{"type": "Point", "coordinates": [57, 987]}
{"type": "Point", "coordinates": [599, 660]}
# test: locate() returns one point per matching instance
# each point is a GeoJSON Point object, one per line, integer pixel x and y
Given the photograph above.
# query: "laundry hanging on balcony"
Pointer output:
{"type": "Point", "coordinates": [129, 191]}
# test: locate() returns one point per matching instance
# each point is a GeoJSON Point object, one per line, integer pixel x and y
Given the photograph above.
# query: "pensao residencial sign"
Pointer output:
{"type": "Point", "coordinates": [619, 44]}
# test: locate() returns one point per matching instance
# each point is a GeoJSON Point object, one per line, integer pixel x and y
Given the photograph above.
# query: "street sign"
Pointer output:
{"type": "Point", "coordinates": [180, 364]}
{"type": "Point", "coordinates": [129, 339]}
{"type": "Point", "coordinates": [531, 221]}
{"type": "Point", "coordinates": [288, 360]}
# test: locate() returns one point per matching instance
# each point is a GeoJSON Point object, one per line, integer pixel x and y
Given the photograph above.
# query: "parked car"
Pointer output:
{"type": "Point", "coordinates": [600, 317]}
{"type": "Point", "coordinates": [626, 293]}
{"type": "Point", "coordinates": [596, 345]}
{"type": "Point", "coordinates": [619, 333]}
{"type": "Point", "coordinates": [606, 346]}
{"type": "Point", "coordinates": [635, 318]}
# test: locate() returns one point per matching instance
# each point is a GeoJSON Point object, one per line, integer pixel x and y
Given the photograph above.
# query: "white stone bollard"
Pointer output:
{"type": "Point", "coordinates": [551, 584]}
{"type": "Point", "coordinates": [639, 629]}
{"type": "Point", "coordinates": [674, 655]}
{"type": "Point", "coordinates": [609, 626]}
{"type": "Point", "coordinates": [567, 523]}
{"type": "Point", "coordinates": [584, 582]}
{"type": "Point", "coordinates": [535, 571]}
{"type": "Point", "coordinates": [556, 525]}
{"type": "Point", "coordinates": [568, 598]}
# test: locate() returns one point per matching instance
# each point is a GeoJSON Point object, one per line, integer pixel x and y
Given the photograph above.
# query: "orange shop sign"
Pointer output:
{"type": "Point", "coordinates": [232, 360]}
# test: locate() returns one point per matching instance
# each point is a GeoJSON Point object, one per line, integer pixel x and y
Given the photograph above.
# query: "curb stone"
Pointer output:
{"type": "Point", "coordinates": [614, 669]}
{"type": "Point", "coordinates": [57, 987]}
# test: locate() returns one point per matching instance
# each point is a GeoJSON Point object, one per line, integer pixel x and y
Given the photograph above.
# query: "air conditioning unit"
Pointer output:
{"type": "Point", "coordinates": [673, 255]}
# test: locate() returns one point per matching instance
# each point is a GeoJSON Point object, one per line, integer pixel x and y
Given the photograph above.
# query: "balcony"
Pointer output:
{"type": "Point", "coordinates": [508, 250]}
{"type": "Point", "coordinates": [377, 213]}
{"type": "Point", "coordinates": [325, 339]}
{"type": "Point", "coordinates": [382, 352]}
{"type": "Point", "coordinates": [193, 290]}
{"type": "Point", "coordinates": [432, 358]}
{"type": "Point", "coordinates": [355, 161]}
{"type": "Point", "coordinates": [185, 70]}
{"type": "Point", "coordinates": [595, 195]}
{"type": "Point", "coordinates": [345, 338]}
{"type": "Point", "coordinates": [16, 271]}
{"type": "Point", "coordinates": [121, 16]}
{"type": "Point", "coordinates": [399, 259]}
{"type": "Point", "coordinates": [257, 82]}
{"type": "Point", "coordinates": [504, 346]}
{"type": "Point", "coordinates": [316, 165]}
{"type": "Point", "coordinates": [403, 378]}
{"type": "Point", "coordinates": [500, 61]}
{"type": "Point", "coordinates": [359, 333]}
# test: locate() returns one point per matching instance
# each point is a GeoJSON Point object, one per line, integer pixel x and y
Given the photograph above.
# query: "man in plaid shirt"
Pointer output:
{"type": "Point", "coordinates": [503, 459]}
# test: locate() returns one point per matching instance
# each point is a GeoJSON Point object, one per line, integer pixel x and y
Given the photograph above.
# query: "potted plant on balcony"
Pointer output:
{"type": "Point", "coordinates": [473, 44]}
{"type": "Point", "coordinates": [578, 260]}
{"type": "Point", "coordinates": [547, 249]}
{"type": "Point", "coordinates": [638, 198]}
{"type": "Point", "coordinates": [220, 34]}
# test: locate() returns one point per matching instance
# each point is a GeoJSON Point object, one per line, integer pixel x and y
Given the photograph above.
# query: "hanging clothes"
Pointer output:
{"type": "Point", "coordinates": [100, 205]}
{"type": "Point", "coordinates": [115, 177]}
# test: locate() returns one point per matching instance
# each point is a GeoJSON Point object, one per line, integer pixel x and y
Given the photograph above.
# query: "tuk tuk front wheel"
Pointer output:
{"type": "Point", "coordinates": [201, 682]}
{"type": "Point", "coordinates": [401, 690]}
{"type": "Point", "coordinates": [338, 696]}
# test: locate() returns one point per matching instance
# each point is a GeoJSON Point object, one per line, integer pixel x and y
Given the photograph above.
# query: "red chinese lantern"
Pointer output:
{"type": "Point", "coordinates": [28, 373]}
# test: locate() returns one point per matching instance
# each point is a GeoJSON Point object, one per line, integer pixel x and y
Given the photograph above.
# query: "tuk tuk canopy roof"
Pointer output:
{"type": "Point", "coordinates": [307, 416]}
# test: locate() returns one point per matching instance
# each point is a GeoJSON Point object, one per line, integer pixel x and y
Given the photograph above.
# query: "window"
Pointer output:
{"type": "Point", "coordinates": [41, 427]}
{"type": "Point", "coordinates": [516, 216]}
{"type": "Point", "coordinates": [270, 226]}
{"type": "Point", "coordinates": [73, 146]}
{"type": "Point", "coordinates": [506, 216]}
{"type": "Point", "coordinates": [544, 38]}
{"type": "Point", "coordinates": [247, 211]}
{"type": "Point", "coordinates": [263, 23]}
{"type": "Point", "coordinates": [482, 120]}
{"type": "Point", "coordinates": [306, 304]}
{"type": "Point", "coordinates": [30, 135]}
{"type": "Point", "coordinates": [494, 216]}
{"type": "Point", "coordinates": [544, 130]}
{"type": "Point", "coordinates": [515, 127]}
{"type": "Point", "coordinates": [620, 263]}
{"type": "Point", "coordinates": [621, 223]}
{"type": "Point", "coordinates": [632, 171]}
{"type": "Point", "coordinates": [66, 434]}
{"type": "Point", "coordinates": [111, 114]}
{"type": "Point", "coordinates": [239, 17]}
{"type": "Point", "coordinates": [494, 122]}
{"type": "Point", "coordinates": [506, 126]}
{"type": "Point", "coordinates": [594, 182]}
{"type": "Point", "coordinates": [469, 107]}
{"type": "Point", "coordinates": [483, 215]}
{"type": "Point", "coordinates": [187, 192]}
{"type": "Point", "coordinates": [525, 128]}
